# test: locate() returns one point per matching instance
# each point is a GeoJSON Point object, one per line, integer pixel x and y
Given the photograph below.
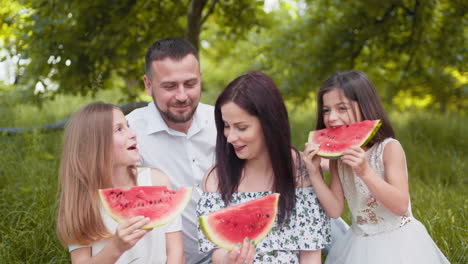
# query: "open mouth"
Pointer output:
{"type": "Point", "coordinates": [132, 147]}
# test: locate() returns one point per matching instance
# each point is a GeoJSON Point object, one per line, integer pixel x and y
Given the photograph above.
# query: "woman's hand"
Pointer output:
{"type": "Point", "coordinates": [129, 233]}
{"type": "Point", "coordinates": [242, 254]}
{"type": "Point", "coordinates": [311, 159]}
{"type": "Point", "coordinates": [355, 157]}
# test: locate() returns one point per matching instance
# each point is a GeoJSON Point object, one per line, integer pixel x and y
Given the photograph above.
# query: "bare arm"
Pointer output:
{"type": "Point", "coordinates": [393, 191]}
{"type": "Point", "coordinates": [174, 240]}
{"type": "Point", "coordinates": [210, 180]}
{"type": "Point", "coordinates": [175, 248]}
{"type": "Point", "coordinates": [331, 197]}
{"type": "Point", "coordinates": [310, 256]}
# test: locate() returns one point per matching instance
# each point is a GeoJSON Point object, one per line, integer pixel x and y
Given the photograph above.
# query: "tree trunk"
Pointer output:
{"type": "Point", "coordinates": [192, 31]}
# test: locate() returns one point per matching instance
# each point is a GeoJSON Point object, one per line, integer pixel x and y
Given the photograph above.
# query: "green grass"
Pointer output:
{"type": "Point", "coordinates": [435, 145]}
{"type": "Point", "coordinates": [28, 195]}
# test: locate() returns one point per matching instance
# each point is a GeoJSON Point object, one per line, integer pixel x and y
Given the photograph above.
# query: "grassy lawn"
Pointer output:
{"type": "Point", "coordinates": [436, 148]}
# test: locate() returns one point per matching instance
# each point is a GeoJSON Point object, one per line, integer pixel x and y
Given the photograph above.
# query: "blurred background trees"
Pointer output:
{"type": "Point", "coordinates": [61, 54]}
{"type": "Point", "coordinates": [415, 51]}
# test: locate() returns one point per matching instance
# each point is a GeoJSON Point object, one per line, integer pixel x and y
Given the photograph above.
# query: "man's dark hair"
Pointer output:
{"type": "Point", "coordinates": [174, 48]}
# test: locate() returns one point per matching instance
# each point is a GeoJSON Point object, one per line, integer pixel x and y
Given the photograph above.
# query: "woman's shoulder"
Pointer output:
{"type": "Point", "coordinates": [210, 180]}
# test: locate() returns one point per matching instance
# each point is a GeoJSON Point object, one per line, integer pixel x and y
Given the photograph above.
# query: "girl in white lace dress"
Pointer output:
{"type": "Point", "coordinates": [254, 158]}
{"type": "Point", "coordinates": [373, 179]}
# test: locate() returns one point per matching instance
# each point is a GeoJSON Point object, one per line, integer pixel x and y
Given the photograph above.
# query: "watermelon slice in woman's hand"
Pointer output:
{"type": "Point", "coordinates": [231, 225]}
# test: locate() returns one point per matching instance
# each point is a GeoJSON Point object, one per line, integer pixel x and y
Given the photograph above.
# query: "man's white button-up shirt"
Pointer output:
{"type": "Point", "coordinates": [183, 157]}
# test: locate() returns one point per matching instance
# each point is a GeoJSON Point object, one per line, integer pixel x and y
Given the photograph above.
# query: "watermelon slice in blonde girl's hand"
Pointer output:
{"type": "Point", "coordinates": [231, 225]}
{"type": "Point", "coordinates": [333, 141]}
{"type": "Point", "coordinates": [157, 203]}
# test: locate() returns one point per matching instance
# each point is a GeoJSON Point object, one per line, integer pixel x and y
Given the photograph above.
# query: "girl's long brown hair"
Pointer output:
{"type": "Point", "coordinates": [85, 167]}
{"type": "Point", "coordinates": [356, 86]}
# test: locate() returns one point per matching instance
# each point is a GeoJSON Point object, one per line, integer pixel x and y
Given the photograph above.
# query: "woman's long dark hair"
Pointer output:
{"type": "Point", "coordinates": [257, 94]}
{"type": "Point", "coordinates": [357, 87]}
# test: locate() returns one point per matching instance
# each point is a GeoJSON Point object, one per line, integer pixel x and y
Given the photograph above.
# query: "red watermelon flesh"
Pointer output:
{"type": "Point", "coordinates": [231, 225]}
{"type": "Point", "coordinates": [158, 203]}
{"type": "Point", "coordinates": [333, 141]}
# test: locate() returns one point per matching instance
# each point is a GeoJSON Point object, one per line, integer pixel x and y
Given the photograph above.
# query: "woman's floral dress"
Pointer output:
{"type": "Point", "coordinates": [307, 229]}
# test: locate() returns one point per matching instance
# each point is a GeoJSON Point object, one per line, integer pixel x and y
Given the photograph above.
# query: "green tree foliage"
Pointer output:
{"type": "Point", "coordinates": [408, 48]}
{"type": "Point", "coordinates": [85, 46]}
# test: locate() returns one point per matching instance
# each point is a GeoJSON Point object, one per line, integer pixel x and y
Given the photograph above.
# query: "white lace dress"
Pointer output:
{"type": "Point", "coordinates": [377, 235]}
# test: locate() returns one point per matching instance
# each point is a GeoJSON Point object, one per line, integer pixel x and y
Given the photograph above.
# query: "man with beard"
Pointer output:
{"type": "Point", "coordinates": [175, 132]}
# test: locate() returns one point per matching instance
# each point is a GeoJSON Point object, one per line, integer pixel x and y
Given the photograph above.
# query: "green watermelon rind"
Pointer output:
{"type": "Point", "coordinates": [156, 222]}
{"type": "Point", "coordinates": [211, 234]}
{"type": "Point", "coordinates": [336, 155]}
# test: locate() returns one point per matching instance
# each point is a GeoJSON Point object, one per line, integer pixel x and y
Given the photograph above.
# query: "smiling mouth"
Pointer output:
{"type": "Point", "coordinates": [237, 149]}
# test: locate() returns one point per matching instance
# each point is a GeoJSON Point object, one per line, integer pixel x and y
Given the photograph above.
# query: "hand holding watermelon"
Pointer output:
{"type": "Point", "coordinates": [355, 157]}
{"type": "Point", "coordinates": [129, 232]}
{"type": "Point", "coordinates": [250, 220]}
{"type": "Point", "coordinates": [242, 253]}
{"type": "Point", "coordinates": [311, 159]}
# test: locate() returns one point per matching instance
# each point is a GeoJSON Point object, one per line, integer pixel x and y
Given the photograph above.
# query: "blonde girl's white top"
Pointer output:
{"type": "Point", "coordinates": [149, 249]}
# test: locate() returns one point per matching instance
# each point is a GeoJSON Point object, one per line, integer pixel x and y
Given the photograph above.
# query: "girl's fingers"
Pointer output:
{"type": "Point", "coordinates": [138, 234]}
{"type": "Point", "coordinates": [140, 222]}
{"type": "Point", "coordinates": [131, 221]}
{"type": "Point", "coordinates": [311, 147]}
{"type": "Point", "coordinates": [131, 225]}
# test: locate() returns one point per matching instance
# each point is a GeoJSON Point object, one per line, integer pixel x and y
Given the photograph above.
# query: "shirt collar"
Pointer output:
{"type": "Point", "coordinates": [158, 124]}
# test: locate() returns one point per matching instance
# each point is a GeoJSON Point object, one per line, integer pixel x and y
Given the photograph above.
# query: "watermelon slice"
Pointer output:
{"type": "Point", "coordinates": [231, 225]}
{"type": "Point", "coordinates": [158, 203]}
{"type": "Point", "coordinates": [333, 141]}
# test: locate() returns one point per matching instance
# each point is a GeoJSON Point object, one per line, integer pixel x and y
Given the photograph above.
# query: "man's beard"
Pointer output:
{"type": "Point", "coordinates": [176, 118]}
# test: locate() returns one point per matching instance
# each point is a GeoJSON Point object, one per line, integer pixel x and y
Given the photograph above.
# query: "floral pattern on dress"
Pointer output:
{"type": "Point", "coordinates": [307, 229]}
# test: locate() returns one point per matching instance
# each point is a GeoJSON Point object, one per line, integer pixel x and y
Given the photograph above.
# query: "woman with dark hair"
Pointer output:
{"type": "Point", "coordinates": [254, 157]}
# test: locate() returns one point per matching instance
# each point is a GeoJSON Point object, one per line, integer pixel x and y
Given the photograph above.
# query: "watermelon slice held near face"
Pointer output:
{"type": "Point", "coordinates": [231, 225]}
{"type": "Point", "coordinates": [158, 203]}
{"type": "Point", "coordinates": [333, 141]}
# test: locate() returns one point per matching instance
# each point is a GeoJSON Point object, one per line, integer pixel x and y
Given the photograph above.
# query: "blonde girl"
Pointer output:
{"type": "Point", "coordinates": [100, 151]}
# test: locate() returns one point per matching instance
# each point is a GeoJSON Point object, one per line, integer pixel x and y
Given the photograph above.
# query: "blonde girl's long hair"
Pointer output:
{"type": "Point", "coordinates": [85, 167]}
